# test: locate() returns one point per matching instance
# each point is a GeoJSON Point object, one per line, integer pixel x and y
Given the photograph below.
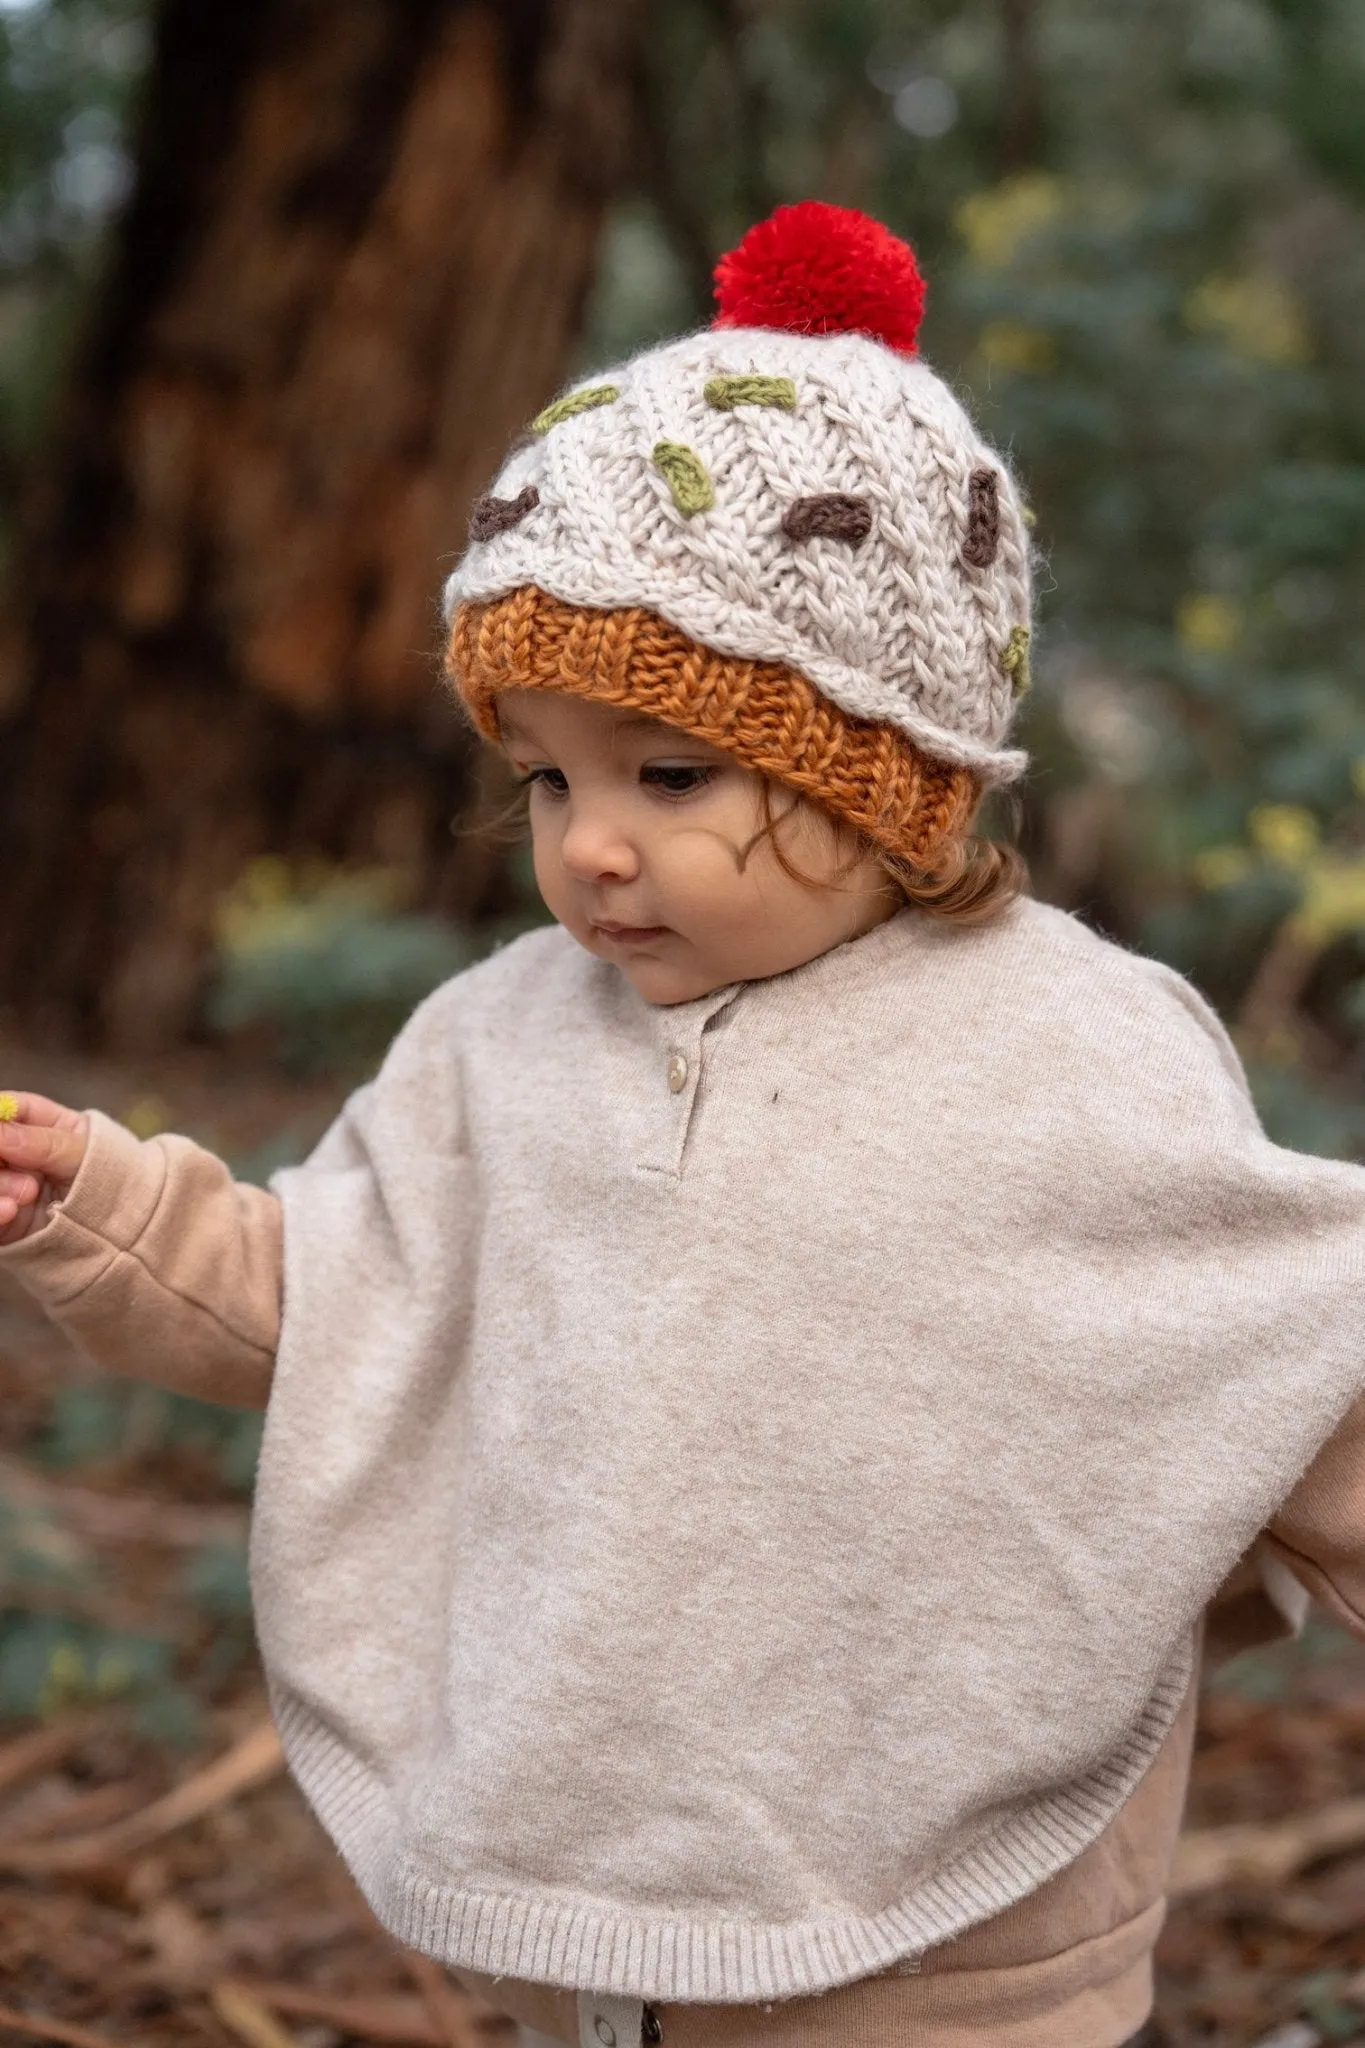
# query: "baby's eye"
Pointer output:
{"type": "Point", "coordinates": [676, 778]}
{"type": "Point", "coordinates": [552, 780]}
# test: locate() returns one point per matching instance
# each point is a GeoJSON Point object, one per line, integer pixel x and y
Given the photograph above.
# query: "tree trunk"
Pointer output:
{"type": "Point", "coordinates": [1021, 113]}
{"type": "Point", "coordinates": [354, 263]}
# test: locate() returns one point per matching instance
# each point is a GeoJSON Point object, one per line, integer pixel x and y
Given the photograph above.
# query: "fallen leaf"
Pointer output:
{"type": "Point", "coordinates": [245, 2016]}
{"type": "Point", "coordinates": [1265, 1852]}
{"type": "Point", "coordinates": [374, 2016]}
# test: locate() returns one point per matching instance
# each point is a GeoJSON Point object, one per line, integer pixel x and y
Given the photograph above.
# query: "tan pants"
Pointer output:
{"type": "Point", "coordinates": [528, 2038]}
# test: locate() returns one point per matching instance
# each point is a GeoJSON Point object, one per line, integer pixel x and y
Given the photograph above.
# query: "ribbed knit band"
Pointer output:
{"type": "Point", "coordinates": [764, 713]}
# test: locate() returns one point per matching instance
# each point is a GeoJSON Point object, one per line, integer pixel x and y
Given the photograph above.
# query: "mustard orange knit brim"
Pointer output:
{"type": "Point", "coordinates": [767, 715]}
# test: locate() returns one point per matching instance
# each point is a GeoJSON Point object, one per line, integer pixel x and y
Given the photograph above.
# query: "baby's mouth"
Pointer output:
{"type": "Point", "coordinates": [627, 934]}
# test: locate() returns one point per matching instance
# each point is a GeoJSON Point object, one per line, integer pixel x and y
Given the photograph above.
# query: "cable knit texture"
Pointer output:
{"type": "Point", "coordinates": [898, 614]}
{"type": "Point", "coordinates": [746, 1532]}
{"type": "Point", "coordinates": [769, 717]}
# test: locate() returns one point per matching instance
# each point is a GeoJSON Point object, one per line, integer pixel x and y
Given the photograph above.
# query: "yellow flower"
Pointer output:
{"type": "Point", "coordinates": [1255, 314]}
{"type": "Point", "coordinates": [67, 1682]}
{"type": "Point", "coordinates": [994, 223]}
{"type": "Point", "coordinates": [1333, 901]}
{"type": "Point", "coordinates": [9, 1107]}
{"type": "Point", "coordinates": [113, 1676]}
{"type": "Point", "coordinates": [1285, 833]}
{"type": "Point", "coordinates": [1206, 623]}
{"type": "Point", "coordinates": [1013, 345]}
{"type": "Point", "coordinates": [1283, 1046]}
{"type": "Point", "coordinates": [1220, 867]}
{"type": "Point", "coordinates": [147, 1117]}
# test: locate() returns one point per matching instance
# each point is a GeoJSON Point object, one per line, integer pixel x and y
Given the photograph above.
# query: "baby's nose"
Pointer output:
{"type": "Point", "coordinates": [594, 848]}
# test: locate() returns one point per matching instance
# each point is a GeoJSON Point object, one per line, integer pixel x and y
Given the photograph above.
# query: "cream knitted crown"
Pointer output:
{"type": "Point", "coordinates": [815, 499]}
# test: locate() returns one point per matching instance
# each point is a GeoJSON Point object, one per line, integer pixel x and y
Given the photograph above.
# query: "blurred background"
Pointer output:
{"type": "Point", "coordinates": [278, 281]}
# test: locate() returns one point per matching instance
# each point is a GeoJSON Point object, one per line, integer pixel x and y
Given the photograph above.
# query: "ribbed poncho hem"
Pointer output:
{"type": "Point", "coordinates": [608, 1947]}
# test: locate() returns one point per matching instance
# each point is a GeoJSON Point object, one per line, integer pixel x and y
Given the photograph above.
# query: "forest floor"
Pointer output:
{"type": "Point", "coordinates": [162, 1882]}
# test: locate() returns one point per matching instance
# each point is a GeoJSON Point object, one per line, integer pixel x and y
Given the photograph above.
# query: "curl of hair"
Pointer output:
{"type": "Point", "coordinates": [973, 880]}
{"type": "Point", "coordinates": [977, 880]}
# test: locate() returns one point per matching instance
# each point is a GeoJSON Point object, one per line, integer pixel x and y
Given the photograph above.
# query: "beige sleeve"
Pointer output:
{"type": "Point", "coordinates": [160, 1265]}
{"type": "Point", "coordinates": [1320, 1531]}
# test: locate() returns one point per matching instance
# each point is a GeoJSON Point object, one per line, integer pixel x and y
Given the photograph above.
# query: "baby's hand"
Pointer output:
{"type": "Point", "coordinates": [41, 1146]}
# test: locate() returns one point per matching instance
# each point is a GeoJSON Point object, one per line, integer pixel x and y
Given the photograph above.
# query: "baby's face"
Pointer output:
{"type": "Point", "coordinates": [644, 851]}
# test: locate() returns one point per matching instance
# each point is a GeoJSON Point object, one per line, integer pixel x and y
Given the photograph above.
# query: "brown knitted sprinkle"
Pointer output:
{"type": "Point", "coordinates": [833, 515]}
{"type": "Point", "coordinates": [767, 715]}
{"type": "Point", "coordinates": [492, 516]}
{"type": "Point", "coordinates": [982, 544]}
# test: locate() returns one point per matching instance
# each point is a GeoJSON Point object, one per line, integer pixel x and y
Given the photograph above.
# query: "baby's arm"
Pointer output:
{"type": "Point", "coordinates": [150, 1256]}
{"type": "Point", "coordinates": [1320, 1531]}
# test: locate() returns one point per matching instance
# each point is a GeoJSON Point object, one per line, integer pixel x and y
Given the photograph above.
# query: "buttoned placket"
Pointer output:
{"type": "Point", "coordinates": [608, 2022]}
{"type": "Point", "coordinates": [678, 1065]}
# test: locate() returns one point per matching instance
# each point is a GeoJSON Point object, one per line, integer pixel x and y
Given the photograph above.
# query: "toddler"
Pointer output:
{"type": "Point", "coordinates": [766, 1382]}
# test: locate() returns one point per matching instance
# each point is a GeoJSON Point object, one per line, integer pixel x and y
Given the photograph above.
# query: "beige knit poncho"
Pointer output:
{"type": "Point", "coordinates": [741, 1479]}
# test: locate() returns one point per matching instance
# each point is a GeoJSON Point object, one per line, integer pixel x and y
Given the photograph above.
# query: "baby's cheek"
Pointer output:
{"type": "Point", "coordinates": [557, 894]}
{"type": "Point", "coordinates": [548, 868]}
{"type": "Point", "coordinates": [711, 913]}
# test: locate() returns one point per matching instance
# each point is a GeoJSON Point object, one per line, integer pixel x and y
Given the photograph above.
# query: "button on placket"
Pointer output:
{"type": "Point", "coordinates": [672, 1087]}
{"type": "Point", "coordinates": [682, 1077]}
{"type": "Point", "coordinates": [606, 2022]}
{"type": "Point", "coordinates": [673, 1095]}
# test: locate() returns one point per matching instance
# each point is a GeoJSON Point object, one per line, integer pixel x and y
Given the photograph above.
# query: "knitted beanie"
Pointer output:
{"type": "Point", "coordinates": [782, 535]}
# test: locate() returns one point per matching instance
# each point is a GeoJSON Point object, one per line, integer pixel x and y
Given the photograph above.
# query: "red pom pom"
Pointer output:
{"type": "Point", "coordinates": [818, 269]}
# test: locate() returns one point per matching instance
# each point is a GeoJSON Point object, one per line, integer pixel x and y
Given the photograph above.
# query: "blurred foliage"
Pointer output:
{"type": "Point", "coordinates": [99, 1422]}
{"type": "Point", "coordinates": [49, 1663]}
{"type": "Point", "coordinates": [325, 961]}
{"type": "Point", "coordinates": [55, 1650]}
{"type": "Point", "coordinates": [68, 72]}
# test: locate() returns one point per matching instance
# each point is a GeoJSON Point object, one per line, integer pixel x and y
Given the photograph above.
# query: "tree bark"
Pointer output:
{"type": "Point", "coordinates": [1021, 111]}
{"type": "Point", "coordinates": [354, 263]}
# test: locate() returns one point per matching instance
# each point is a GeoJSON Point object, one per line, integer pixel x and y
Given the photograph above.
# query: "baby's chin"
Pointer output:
{"type": "Point", "coordinates": [669, 981]}
{"type": "Point", "coordinates": [671, 974]}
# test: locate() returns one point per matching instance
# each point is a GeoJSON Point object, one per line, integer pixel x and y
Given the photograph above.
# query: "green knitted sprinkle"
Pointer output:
{"type": "Point", "coordinates": [574, 402]}
{"type": "Point", "coordinates": [1014, 660]}
{"type": "Point", "coordinates": [692, 488]}
{"type": "Point", "coordinates": [725, 393]}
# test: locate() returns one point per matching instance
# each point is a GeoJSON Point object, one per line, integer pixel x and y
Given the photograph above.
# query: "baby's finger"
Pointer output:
{"type": "Point", "coordinates": [57, 1153]}
{"type": "Point", "coordinates": [19, 1188]}
{"type": "Point", "coordinates": [19, 1107]}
